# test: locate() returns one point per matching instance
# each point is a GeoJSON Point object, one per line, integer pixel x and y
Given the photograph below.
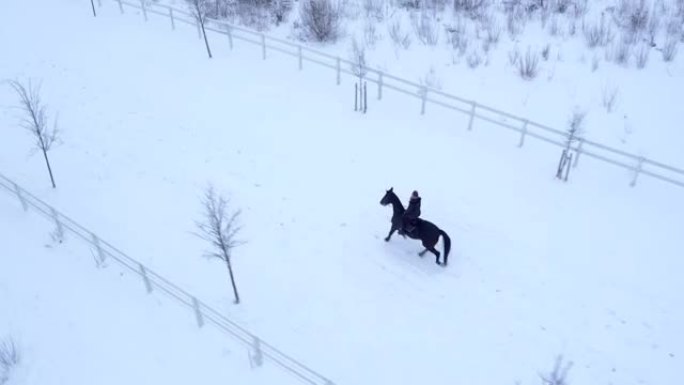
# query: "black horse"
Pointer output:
{"type": "Point", "coordinates": [426, 231]}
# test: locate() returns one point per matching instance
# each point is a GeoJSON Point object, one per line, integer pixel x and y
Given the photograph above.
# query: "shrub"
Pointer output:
{"type": "Point", "coordinates": [609, 96]}
{"type": "Point", "coordinates": [670, 49]}
{"type": "Point", "coordinates": [398, 36]}
{"type": "Point", "coordinates": [598, 34]}
{"type": "Point", "coordinates": [9, 358]}
{"type": "Point", "coordinates": [474, 59]}
{"type": "Point", "coordinates": [545, 52]}
{"type": "Point", "coordinates": [528, 65]}
{"type": "Point", "coordinates": [425, 28]}
{"type": "Point", "coordinates": [320, 19]}
{"type": "Point", "coordinates": [641, 55]}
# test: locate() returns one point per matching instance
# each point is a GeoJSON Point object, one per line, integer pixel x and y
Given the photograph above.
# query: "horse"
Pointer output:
{"type": "Point", "coordinates": [427, 232]}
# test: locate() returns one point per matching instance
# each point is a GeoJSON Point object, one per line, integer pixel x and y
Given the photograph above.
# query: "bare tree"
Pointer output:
{"type": "Point", "coordinates": [199, 9]}
{"type": "Point", "coordinates": [35, 120]}
{"type": "Point", "coordinates": [220, 228]}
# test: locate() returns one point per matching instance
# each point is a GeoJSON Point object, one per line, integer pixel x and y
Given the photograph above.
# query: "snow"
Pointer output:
{"type": "Point", "coordinates": [588, 269]}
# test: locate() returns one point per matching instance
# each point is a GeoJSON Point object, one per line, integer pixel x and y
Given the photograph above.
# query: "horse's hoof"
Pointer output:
{"type": "Point", "coordinates": [386, 239]}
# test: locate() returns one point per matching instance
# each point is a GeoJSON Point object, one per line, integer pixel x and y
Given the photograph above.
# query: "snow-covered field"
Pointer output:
{"type": "Point", "coordinates": [73, 324]}
{"type": "Point", "coordinates": [472, 51]}
{"type": "Point", "coordinates": [589, 269]}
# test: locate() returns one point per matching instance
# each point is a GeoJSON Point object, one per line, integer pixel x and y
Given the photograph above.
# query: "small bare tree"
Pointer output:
{"type": "Point", "coordinates": [357, 56]}
{"type": "Point", "coordinates": [559, 374]}
{"type": "Point", "coordinates": [574, 133]}
{"type": "Point", "coordinates": [35, 120]}
{"type": "Point", "coordinates": [220, 228]}
{"type": "Point", "coordinates": [199, 9]}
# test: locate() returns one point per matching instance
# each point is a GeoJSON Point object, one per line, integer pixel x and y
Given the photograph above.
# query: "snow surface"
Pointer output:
{"type": "Point", "coordinates": [589, 269]}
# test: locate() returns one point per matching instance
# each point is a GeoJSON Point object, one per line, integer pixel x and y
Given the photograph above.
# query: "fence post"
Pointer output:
{"type": "Point", "coordinates": [100, 257]}
{"type": "Point", "coordinates": [472, 116]}
{"type": "Point", "coordinates": [263, 46]}
{"type": "Point", "coordinates": [58, 234]}
{"type": "Point", "coordinates": [230, 36]}
{"type": "Point", "coordinates": [17, 189]}
{"type": "Point", "coordinates": [579, 151]}
{"type": "Point", "coordinates": [356, 96]}
{"type": "Point", "coordinates": [143, 273]}
{"type": "Point", "coordinates": [173, 23]}
{"type": "Point", "coordinates": [198, 313]}
{"type": "Point", "coordinates": [424, 100]}
{"type": "Point", "coordinates": [144, 9]}
{"type": "Point", "coordinates": [379, 85]}
{"type": "Point", "coordinates": [299, 51]}
{"type": "Point", "coordinates": [522, 135]}
{"type": "Point", "coordinates": [120, 6]}
{"type": "Point", "coordinates": [339, 70]}
{"type": "Point", "coordinates": [256, 358]}
{"type": "Point", "coordinates": [637, 172]}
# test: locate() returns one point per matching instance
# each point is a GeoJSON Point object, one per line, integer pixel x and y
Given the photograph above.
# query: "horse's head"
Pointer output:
{"type": "Point", "coordinates": [387, 199]}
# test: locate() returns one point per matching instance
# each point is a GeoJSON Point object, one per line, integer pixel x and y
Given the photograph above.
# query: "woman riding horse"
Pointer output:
{"type": "Point", "coordinates": [411, 215]}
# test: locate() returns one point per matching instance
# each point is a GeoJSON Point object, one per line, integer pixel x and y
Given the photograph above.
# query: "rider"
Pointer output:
{"type": "Point", "coordinates": [411, 214]}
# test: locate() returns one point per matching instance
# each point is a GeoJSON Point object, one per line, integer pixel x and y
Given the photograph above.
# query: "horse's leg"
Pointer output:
{"type": "Point", "coordinates": [422, 253]}
{"type": "Point", "coordinates": [392, 230]}
{"type": "Point", "coordinates": [436, 253]}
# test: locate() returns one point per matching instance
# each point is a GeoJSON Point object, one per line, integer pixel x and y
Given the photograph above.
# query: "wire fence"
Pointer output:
{"type": "Point", "coordinates": [103, 251]}
{"type": "Point", "coordinates": [475, 111]}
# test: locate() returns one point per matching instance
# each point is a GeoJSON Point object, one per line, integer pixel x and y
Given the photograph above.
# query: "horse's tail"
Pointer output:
{"type": "Point", "coordinates": [447, 244]}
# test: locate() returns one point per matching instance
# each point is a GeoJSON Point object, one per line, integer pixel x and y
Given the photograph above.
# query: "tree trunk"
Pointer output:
{"type": "Point", "coordinates": [52, 179]}
{"type": "Point", "coordinates": [232, 280]}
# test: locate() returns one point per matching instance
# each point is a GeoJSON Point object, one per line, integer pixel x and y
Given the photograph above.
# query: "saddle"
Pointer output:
{"type": "Point", "coordinates": [411, 227]}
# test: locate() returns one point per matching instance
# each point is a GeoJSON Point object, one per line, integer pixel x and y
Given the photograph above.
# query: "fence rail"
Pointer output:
{"type": "Point", "coordinates": [475, 111]}
{"type": "Point", "coordinates": [104, 251]}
